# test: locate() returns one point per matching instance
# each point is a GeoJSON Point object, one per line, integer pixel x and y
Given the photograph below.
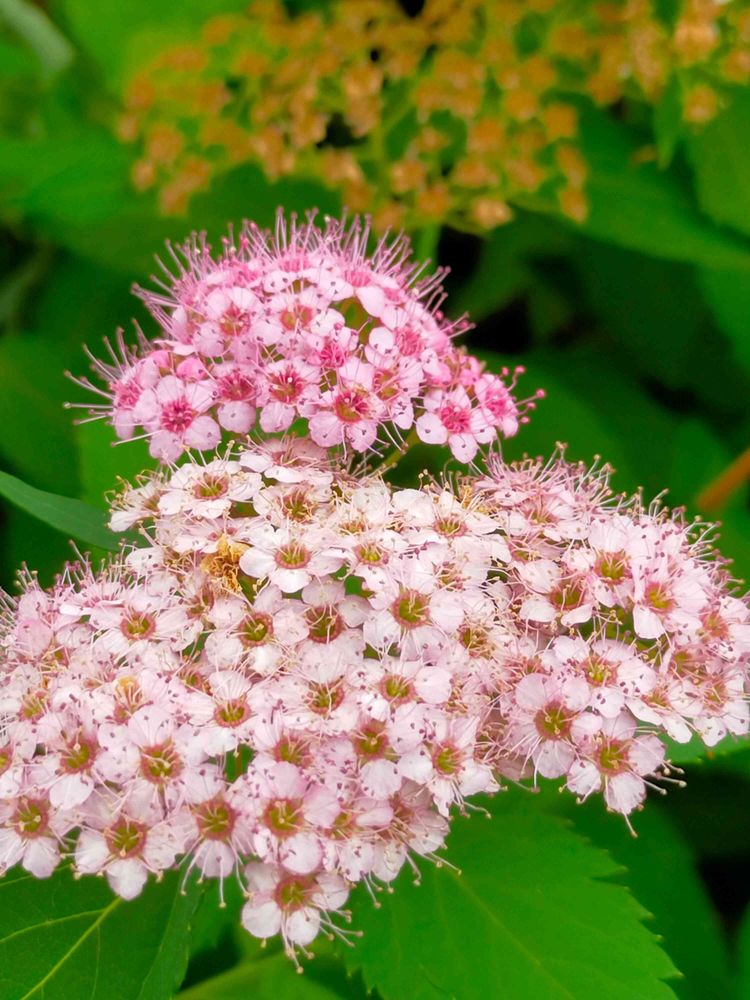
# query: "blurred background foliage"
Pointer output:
{"type": "Point", "coordinates": [583, 169]}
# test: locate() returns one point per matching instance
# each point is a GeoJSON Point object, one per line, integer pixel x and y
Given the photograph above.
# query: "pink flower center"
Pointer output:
{"type": "Point", "coordinates": [78, 756]}
{"type": "Point", "coordinates": [286, 386]}
{"type": "Point", "coordinates": [256, 629]}
{"type": "Point", "coordinates": [612, 566]}
{"type": "Point", "coordinates": [567, 596]}
{"type": "Point", "coordinates": [409, 341]}
{"type": "Point", "coordinates": [613, 757]}
{"type": "Point", "coordinates": [411, 609]}
{"type": "Point", "coordinates": [128, 697]}
{"type": "Point", "coordinates": [126, 838]}
{"type": "Point", "coordinates": [232, 713]}
{"type": "Point", "coordinates": [127, 393]}
{"type": "Point", "coordinates": [297, 316]}
{"type": "Point", "coordinates": [138, 625]}
{"type": "Point", "coordinates": [325, 698]}
{"type": "Point", "coordinates": [446, 759]}
{"type": "Point", "coordinates": [236, 386]}
{"type": "Point", "coordinates": [298, 505]}
{"type": "Point", "coordinates": [358, 277]}
{"type": "Point", "coordinates": [475, 639]}
{"type": "Point", "coordinates": [294, 893]}
{"type": "Point", "coordinates": [553, 722]}
{"type": "Point", "coordinates": [215, 819]}
{"type": "Point", "coordinates": [177, 415]}
{"type": "Point", "coordinates": [598, 671]}
{"type": "Point", "coordinates": [324, 622]}
{"type": "Point", "coordinates": [499, 402]}
{"type": "Point", "coordinates": [234, 321]}
{"type": "Point", "coordinates": [283, 817]}
{"type": "Point", "coordinates": [372, 741]}
{"type": "Point", "coordinates": [293, 555]}
{"type": "Point", "coordinates": [30, 818]}
{"type": "Point", "coordinates": [34, 705]}
{"type": "Point", "coordinates": [370, 553]}
{"type": "Point", "coordinates": [352, 404]}
{"type": "Point", "coordinates": [659, 598]}
{"type": "Point", "coordinates": [396, 688]}
{"type": "Point", "coordinates": [160, 764]}
{"type": "Point", "coordinates": [332, 355]}
{"type": "Point", "coordinates": [456, 419]}
{"type": "Point", "coordinates": [293, 750]}
{"type": "Point", "coordinates": [210, 487]}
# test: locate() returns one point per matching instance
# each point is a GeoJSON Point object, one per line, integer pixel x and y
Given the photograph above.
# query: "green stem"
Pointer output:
{"type": "Point", "coordinates": [394, 457]}
{"type": "Point", "coordinates": [52, 48]}
{"type": "Point", "coordinates": [426, 244]}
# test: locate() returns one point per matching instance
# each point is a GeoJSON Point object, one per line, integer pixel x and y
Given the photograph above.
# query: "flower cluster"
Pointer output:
{"type": "Point", "coordinates": [306, 325]}
{"type": "Point", "coordinates": [300, 673]}
{"type": "Point", "coordinates": [466, 98]}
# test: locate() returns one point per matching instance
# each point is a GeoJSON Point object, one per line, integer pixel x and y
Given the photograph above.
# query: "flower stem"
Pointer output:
{"type": "Point", "coordinates": [394, 457]}
{"type": "Point", "coordinates": [426, 244]}
{"type": "Point", "coordinates": [716, 494]}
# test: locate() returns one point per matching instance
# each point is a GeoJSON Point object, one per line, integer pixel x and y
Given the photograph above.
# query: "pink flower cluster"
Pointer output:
{"type": "Point", "coordinates": [305, 325]}
{"type": "Point", "coordinates": [300, 673]}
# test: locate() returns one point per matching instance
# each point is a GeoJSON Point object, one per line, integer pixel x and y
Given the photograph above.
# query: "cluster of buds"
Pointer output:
{"type": "Point", "coordinates": [300, 673]}
{"type": "Point", "coordinates": [465, 97]}
{"type": "Point", "coordinates": [304, 324]}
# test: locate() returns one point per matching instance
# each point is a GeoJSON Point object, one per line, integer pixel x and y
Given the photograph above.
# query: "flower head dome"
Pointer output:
{"type": "Point", "coordinates": [304, 324]}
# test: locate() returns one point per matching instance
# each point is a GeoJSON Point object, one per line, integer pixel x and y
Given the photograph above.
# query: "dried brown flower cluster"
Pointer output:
{"type": "Point", "coordinates": [441, 117]}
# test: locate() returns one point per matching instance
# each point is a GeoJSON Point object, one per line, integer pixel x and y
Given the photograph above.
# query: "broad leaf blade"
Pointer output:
{"type": "Point", "coordinates": [273, 978]}
{"type": "Point", "coordinates": [529, 916]}
{"type": "Point", "coordinates": [62, 939]}
{"type": "Point", "coordinates": [71, 517]}
{"type": "Point", "coordinates": [663, 876]}
{"type": "Point", "coordinates": [720, 155]}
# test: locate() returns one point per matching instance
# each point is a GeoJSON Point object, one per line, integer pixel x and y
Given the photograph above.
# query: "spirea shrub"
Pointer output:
{"type": "Point", "coordinates": [300, 672]}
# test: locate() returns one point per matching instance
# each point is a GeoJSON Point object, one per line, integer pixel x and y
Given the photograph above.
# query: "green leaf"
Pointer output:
{"type": "Point", "coordinates": [126, 35]}
{"type": "Point", "coordinates": [274, 978]}
{"type": "Point", "coordinates": [65, 939]}
{"type": "Point", "coordinates": [668, 122]}
{"type": "Point", "coordinates": [530, 915]}
{"type": "Point", "coordinates": [720, 155]}
{"type": "Point", "coordinates": [635, 205]}
{"type": "Point", "coordinates": [36, 438]}
{"type": "Point", "coordinates": [504, 269]}
{"type": "Point", "coordinates": [54, 51]}
{"type": "Point", "coordinates": [25, 540]}
{"type": "Point", "coordinates": [743, 956]}
{"type": "Point", "coordinates": [662, 875]}
{"type": "Point", "coordinates": [728, 295]}
{"type": "Point", "coordinates": [71, 517]}
{"type": "Point", "coordinates": [104, 460]}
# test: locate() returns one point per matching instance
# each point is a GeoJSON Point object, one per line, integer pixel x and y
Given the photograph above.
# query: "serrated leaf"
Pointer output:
{"type": "Point", "coordinates": [71, 517]}
{"type": "Point", "coordinates": [65, 939]}
{"type": "Point", "coordinates": [635, 205]}
{"type": "Point", "coordinates": [720, 155]}
{"type": "Point", "coordinates": [530, 915]}
{"type": "Point", "coordinates": [662, 874]}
